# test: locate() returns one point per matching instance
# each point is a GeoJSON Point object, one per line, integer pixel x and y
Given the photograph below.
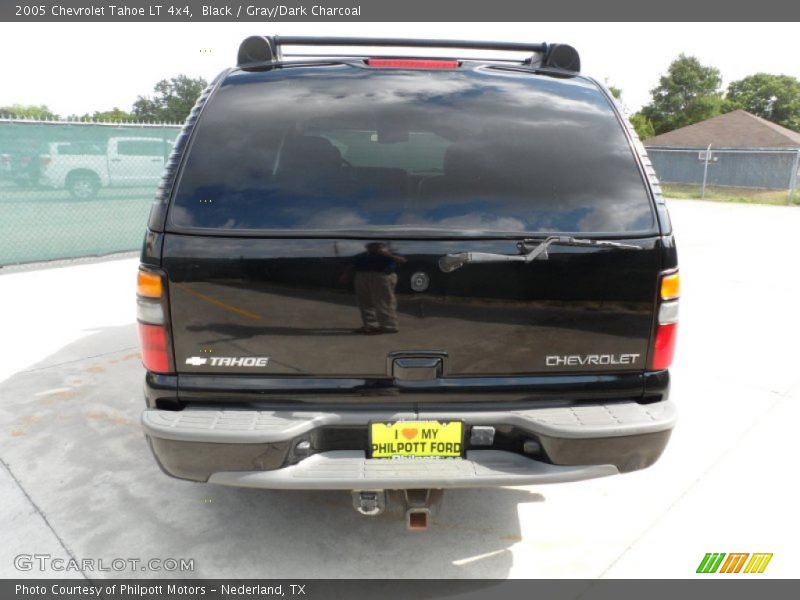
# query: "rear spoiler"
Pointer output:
{"type": "Point", "coordinates": [262, 51]}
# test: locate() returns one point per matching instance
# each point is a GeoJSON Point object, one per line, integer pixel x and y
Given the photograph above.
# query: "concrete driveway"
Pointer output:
{"type": "Point", "coordinates": [77, 479]}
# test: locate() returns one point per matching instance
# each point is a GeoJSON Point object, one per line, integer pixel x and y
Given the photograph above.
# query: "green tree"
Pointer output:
{"type": "Point", "coordinates": [115, 114]}
{"type": "Point", "coordinates": [28, 111]}
{"type": "Point", "coordinates": [772, 97]}
{"type": "Point", "coordinates": [688, 93]}
{"type": "Point", "coordinates": [615, 91]}
{"type": "Point", "coordinates": [642, 125]}
{"type": "Point", "coordinates": [172, 101]}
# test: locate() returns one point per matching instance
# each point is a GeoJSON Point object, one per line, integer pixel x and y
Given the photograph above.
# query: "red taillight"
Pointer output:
{"type": "Point", "coordinates": [155, 347]}
{"type": "Point", "coordinates": [411, 63]}
{"type": "Point", "coordinates": [664, 347]}
{"type": "Point", "coordinates": [666, 322]}
{"type": "Point", "coordinates": [151, 313]}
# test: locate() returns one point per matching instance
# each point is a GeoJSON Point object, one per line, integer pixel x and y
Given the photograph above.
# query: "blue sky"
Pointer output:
{"type": "Point", "coordinates": [96, 66]}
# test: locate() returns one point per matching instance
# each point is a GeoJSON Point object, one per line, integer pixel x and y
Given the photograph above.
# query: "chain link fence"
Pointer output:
{"type": "Point", "coordinates": [71, 189]}
{"type": "Point", "coordinates": [755, 174]}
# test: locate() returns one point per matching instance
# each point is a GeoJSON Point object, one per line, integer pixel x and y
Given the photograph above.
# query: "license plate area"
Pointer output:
{"type": "Point", "coordinates": [416, 439]}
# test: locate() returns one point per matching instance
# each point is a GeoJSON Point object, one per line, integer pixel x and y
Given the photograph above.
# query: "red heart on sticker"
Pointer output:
{"type": "Point", "coordinates": [409, 433]}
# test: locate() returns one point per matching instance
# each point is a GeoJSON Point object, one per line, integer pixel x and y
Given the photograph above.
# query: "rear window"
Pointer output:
{"type": "Point", "coordinates": [341, 148]}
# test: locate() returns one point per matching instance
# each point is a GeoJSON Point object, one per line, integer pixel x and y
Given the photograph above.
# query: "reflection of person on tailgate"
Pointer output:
{"type": "Point", "coordinates": [375, 280]}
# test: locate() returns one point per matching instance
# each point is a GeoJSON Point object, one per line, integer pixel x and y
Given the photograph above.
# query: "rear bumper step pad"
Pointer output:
{"type": "Point", "coordinates": [591, 421]}
{"type": "Point", "coordinates": [350, 470]}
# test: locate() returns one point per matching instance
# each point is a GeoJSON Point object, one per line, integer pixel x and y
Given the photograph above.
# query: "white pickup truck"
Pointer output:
{"type": "Point", "coordinates": [84, 167]}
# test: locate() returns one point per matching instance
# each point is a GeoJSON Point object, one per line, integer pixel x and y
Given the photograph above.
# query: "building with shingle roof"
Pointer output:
{"type": "Point", "coordinates": [745, 151]}
{"type": "Point", "coordinates": [736, 129]}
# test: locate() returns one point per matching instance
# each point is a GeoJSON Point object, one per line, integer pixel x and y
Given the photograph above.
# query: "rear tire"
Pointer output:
{"type": "Point", "coordinates": [83, 186]}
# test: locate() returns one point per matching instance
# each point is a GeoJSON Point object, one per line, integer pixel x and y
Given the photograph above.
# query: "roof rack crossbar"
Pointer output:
{"type": "Point", "coordinates": [264, 50]}
{"type": "Point", "coordinates": [292, 40]}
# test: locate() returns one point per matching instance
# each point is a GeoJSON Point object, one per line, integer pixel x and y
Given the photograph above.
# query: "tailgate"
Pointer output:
{"type": "Point", "coordinates": [289, 307]}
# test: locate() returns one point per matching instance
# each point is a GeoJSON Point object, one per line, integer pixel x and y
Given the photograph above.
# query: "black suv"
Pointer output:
{"type": "Point", "coordinates": [387, 273]}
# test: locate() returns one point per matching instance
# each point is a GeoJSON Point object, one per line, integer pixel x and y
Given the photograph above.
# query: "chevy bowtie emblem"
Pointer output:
{"type": "Point", "coordinates": [196, 361]}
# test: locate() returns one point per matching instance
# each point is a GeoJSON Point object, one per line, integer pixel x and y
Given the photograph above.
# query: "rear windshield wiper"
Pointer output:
{"type": "Point", "coordinates": [451, 262]}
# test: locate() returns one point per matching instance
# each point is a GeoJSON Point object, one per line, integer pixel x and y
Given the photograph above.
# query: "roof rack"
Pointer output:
{"type": "Point", "coordinates": [261, 51]}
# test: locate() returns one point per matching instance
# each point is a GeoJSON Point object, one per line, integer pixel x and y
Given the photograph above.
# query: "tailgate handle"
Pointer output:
{"type": "Point", "coordinates": [417, 368]}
